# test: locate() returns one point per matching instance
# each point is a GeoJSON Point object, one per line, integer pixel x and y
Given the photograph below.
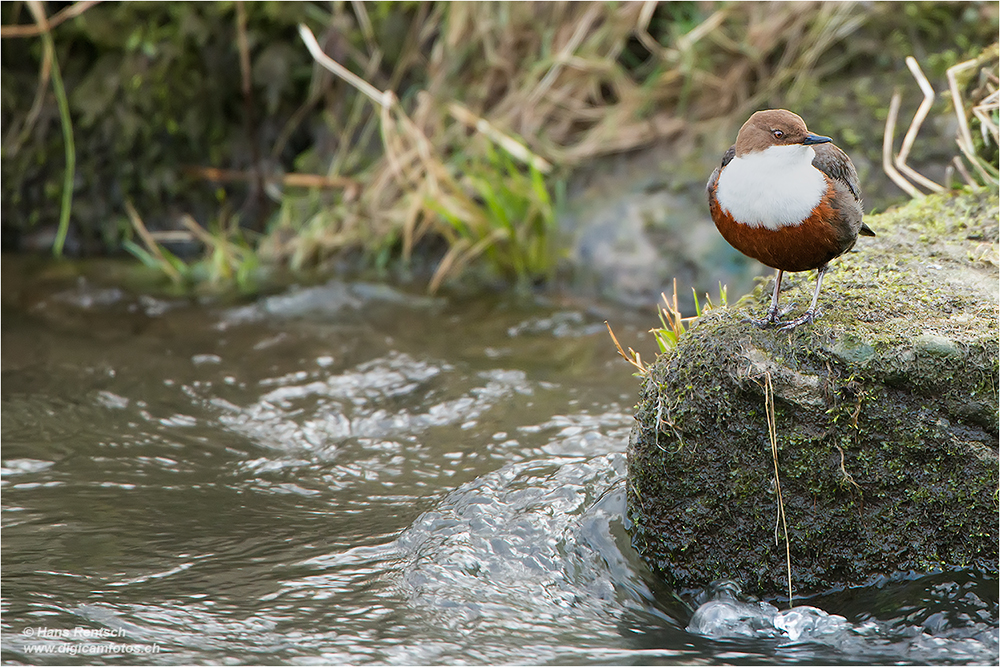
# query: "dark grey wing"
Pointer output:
{"type": "Point", "coordinates": [834, 163]}
{"type": "Point", "coordinates": [726, 159]}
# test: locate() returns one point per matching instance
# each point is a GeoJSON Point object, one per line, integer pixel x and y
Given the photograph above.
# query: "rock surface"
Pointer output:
{"type": "Point", "coordinates": [636, 221]}
{"type": "Point", "coordinates": [885, 417]}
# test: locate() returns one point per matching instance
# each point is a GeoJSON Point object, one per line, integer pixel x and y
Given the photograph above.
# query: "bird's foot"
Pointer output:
{"type": "Point", "coordinates": [772, 319]}
{"type": "Point", "coordinates": [810, 316]}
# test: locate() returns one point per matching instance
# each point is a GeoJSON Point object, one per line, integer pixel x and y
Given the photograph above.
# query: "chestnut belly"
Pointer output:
{"type": "Point", "coordinates": [807, 245]}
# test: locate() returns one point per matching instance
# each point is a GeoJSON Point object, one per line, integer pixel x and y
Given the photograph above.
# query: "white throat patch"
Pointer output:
{"type": "Point", "coordinates": [773, 188]}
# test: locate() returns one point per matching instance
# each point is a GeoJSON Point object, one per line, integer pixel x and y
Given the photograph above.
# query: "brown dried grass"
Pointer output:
{"type": "Point", "coordinates": [556, 83]}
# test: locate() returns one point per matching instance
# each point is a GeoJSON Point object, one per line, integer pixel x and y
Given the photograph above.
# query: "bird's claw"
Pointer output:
{"type": "Point", "coordinates": [772, 319]}
{"type": "Point", "coordinates": [810, 316]}
{"type": "Point", "coordinates": [766, 323]}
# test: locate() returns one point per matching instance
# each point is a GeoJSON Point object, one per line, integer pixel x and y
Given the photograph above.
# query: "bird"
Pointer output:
{"type": "Point", "coordinates": [789, 199]}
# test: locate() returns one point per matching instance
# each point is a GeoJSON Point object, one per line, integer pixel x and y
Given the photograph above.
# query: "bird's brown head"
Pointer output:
{"type": "Point", "coordinates": [774, 127]}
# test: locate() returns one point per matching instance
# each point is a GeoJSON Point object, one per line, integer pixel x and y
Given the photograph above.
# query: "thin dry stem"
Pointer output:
{"type": "Point", "coordinates": [964, 136]}
{"type": "Point", "coordinates": [36, 106]}
{"type": "Point", "coordinates": [960, 166]}
{"type": "Point", "coordinates": [384, 99]}
{"type": "Point", "coordinates": [956, 97]}
{"type": "Point", "coordinates": [918, 120]}
{"type": "Point", "coordinates": [887, 139]}
{"type": "Point", "coordinates": [634, 359]}
{"type": "Point", "coordinates": [198, 231]}
{"type": "Point", "coordinates": [150, 242]}
{"type": "Point", "coordinates": [772, 433]}
{"type": "Point", "coordinates": [513, 146]}
{"type": "Point", "coordinates": [982, 112]}
{"type": "Point", "coordinates": [843, 470]}
{"type": "Point", "coordinates": [39, 28]}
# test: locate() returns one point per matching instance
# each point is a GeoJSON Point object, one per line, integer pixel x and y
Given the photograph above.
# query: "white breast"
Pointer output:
{"type": "Point", "coordinates": [774, 188]}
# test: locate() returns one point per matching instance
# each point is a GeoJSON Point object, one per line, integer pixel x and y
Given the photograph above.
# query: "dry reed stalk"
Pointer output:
{"type": "Point", "coordinates": [150, 243]}
{"type": "Point", "coordinates": [632, 357]}
{"type": "Point", "coordinates": [12, 147]}
{"type": "Point", "coordinates": [887, 139]}
{"type": "Point", "coordinates": [64, 14]}
{"type": "Point", "coordinates": [918, 120]}
{"type": "Point", "coordinates": [552, 98]}
{"type": "Point", "coordinates": [982, 112]}
{"type": "Point", "coordinates": [964, 139]}
{"type": "Point", "coordinates": [960, 166]}
{"type": "Point", "coordinates": [508, 143]}
{"type": "Point", "coordinates": [780, 519]}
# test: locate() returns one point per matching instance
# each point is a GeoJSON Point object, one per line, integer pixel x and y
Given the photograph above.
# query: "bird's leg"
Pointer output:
{"type": "Point", "coordinates": [810, 314]}
{"type": "Point", "coordinates": [771, 319]}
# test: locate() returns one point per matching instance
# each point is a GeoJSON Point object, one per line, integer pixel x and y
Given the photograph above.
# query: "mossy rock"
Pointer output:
{"type": "Point", "coordinates": [885, 415]}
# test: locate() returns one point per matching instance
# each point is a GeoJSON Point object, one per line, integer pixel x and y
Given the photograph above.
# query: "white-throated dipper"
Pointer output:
{"type": "Point", "coordinates": [788, 198]}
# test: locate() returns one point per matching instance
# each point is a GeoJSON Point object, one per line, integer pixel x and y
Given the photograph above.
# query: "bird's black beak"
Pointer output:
{"type": "Point", "coordinates": [815, 139]}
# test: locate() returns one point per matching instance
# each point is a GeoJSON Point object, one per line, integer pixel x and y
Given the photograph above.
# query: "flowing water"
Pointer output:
{"type": "Point", "coordinates": [351, 474]}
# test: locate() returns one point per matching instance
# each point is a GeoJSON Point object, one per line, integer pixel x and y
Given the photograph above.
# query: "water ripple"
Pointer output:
{"type": "Point", "coordinates": [381, 399]}
{"type": "Point", "coordinates": [507, 553]}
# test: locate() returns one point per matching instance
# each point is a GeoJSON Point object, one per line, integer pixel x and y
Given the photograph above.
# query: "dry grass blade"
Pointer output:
{"type": "Point", "coordinates": [582, 28]}
{"type": "Point", "coordinates": [458, 256]}
{"type": "Point", "coordinates": [151, 244]}
{"type": "Point", "coordinates": [384, 99]}
{"type": "Point", "coordinates": [632, 357]}
{"type": "Point", "coordinates": [292, 180]}
{"type": "Point", "coordinates": [692, 37]}
{"type": "Point", "coordinates": [11, 147]}
{"type": "Point", "coordinates": [772, 433]}
{"type": "Point", "coordinates": [197, 230]}
{"type": "Point", "coordinates": [70, 12]}
{"type": "Point", "coordinates": [642, 28]}
{"type": "Point", "coordinates": [508, 143]}
{"type": "Point", "coordinates": [964, 136]}
{"type": "Point", "coordinates": [887, 139]}
{"type": "Point", "coordinates": [960, 166]}
{"type": "Point", "coordinates": [918, 120]}
{"type": "Point", "coordinates": [982, 112]}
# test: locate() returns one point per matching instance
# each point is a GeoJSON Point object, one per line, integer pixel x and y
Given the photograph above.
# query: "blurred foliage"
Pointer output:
{"type": "Point", "coordinates": [155, 94]}
{"type": "Point", "coordinates": [978, 89]}
{"type": "Point", "coordinates": [153, 88]}
{"type": "Point", "coordinates": [509, 218]}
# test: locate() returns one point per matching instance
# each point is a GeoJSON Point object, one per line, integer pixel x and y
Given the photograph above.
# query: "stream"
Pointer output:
{"type": "Point", "coordinates": [350, 473]}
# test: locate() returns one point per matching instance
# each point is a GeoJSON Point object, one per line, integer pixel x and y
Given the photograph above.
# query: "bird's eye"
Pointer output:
{"type": "Point", "coordinates": [777, 134]}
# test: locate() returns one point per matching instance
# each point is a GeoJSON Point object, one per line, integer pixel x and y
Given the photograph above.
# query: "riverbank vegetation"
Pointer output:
{"type": "Point", "coordinates": [211, 145]}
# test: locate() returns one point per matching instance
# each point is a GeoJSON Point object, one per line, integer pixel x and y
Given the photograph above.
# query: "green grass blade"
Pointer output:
{"type": "Point", "coordinates": [67, 128]}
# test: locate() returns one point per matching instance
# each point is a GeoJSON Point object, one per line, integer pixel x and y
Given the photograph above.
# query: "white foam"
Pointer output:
{"type": "Point", "coordinates": [728, 617]}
